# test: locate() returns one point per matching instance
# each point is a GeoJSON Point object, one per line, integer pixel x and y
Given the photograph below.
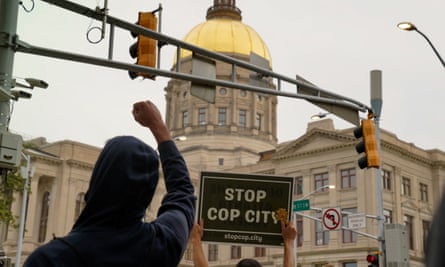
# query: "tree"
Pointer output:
{"type": "Point", "coordinates": [11, 182]}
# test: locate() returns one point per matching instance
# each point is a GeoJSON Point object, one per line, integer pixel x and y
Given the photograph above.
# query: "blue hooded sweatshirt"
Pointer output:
{"type": "Point", "coordinates": [110, 231]}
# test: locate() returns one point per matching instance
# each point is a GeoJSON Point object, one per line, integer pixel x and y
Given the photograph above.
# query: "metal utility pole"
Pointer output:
{"type": "Point", "coordinates": [376, 104]}
{"type": "Point", "coordinates": [8, 28]}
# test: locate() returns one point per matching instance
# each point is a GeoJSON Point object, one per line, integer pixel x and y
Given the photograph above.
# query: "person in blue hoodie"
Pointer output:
{"type": "Point", "coordinates": [110, 231]}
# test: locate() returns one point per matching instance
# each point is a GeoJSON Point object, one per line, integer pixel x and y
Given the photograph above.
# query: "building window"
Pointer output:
{"type": "Point", "coordinates": [388, 216]}
{"type": "Point", "coordinates": [258, 121]}
{"type": "Point", "coordinates": [242, 118]}
{"type": "Point", "coordinates": [260, 252]}
{"type": "Point", "coordinates": [44, 212]}
{"type": "Point", "coordinates": [201, 116]}
{"type": "Point", "coordinates": [348, 236]}
{"type": "Point", "coordinates": [425, 230]}
{"type": "Point", "coordinates": [423, 192]}
{"type": "Point", "coordinates": [222, 116]}
{"type": "Point", "coordinates": [408, 220]}
{"type": "Point", "coordinates": [299, 185]}
{"type": "Point", "coordinates": [348, 178]}
{"type": "Point", "coordinates": [321, 179]}
{"type": "Point", "coordinates": [349, 264]}
{"type": "Point", "coordinates": [299, 226]}
{"type": "Point", "coordinates": [321, 235]}
{"type": "Point", "coordinates": [80, 204]}
{"type": "Point", "coordinates": [386, 177]}
{"type": "Point", "coordinates": [243, 93]}
{"type": "Point", "coordinates": [406, 186]}
{"type": "Point", "coordinates": [221, 161]}
{"type": "Point", "coordinates": [213, 252]}
{"type": "Point", "coordinates": [235, 252]}
{"type": "Point", "coordinates": [185, 119]}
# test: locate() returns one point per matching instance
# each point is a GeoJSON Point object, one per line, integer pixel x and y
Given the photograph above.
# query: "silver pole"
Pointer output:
{"type": "Point", "coordinates": [26, 175]}
{"type": "Point", "coordinates": [295, 240]}
{"type": "Point", "coordinates": [8, 28]}
{"type": "Point", "coordinates": [376, 103]}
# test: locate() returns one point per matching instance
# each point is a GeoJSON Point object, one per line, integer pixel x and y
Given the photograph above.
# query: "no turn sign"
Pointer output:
{"type": "Point", "coordinates": [331, 218]}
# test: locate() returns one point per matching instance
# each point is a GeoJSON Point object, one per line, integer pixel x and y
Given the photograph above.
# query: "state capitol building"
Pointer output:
{"type": "Point", "coordinates": [238, 133]}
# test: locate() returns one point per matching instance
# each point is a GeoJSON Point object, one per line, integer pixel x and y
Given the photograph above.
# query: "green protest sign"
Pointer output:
{"type": "Point", "coordinates": [240, 208]}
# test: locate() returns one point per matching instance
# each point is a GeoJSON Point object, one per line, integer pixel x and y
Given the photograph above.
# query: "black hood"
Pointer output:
{"type": "Point", "coordinates": [122, 185]}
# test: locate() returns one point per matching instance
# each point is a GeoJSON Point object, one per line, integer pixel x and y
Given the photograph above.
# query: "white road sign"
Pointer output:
{"type": "Point", "coordinates": [356, 221]}
{"type": "Point", "coordinates": [331, 218]}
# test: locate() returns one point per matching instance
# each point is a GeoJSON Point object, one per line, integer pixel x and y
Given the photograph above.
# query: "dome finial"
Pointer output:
{"type": "Point", "coordinates": [224, 9]}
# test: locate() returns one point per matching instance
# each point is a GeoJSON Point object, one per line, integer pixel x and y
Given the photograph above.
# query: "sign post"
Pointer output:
{"type": "Point", "coordinates": [240, 208]}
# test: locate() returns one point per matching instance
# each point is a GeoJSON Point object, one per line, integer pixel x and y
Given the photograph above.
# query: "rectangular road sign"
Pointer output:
{"type": "Point", "coordinates": [356, 221]}
{"type": "Point", "coordinates": [240, 208]}
{"type": "Point", "coordinates": [300, 205]}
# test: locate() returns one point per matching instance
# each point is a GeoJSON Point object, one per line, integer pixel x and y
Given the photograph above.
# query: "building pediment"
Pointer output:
{"type": "Point", "coordinates": [314, 141]}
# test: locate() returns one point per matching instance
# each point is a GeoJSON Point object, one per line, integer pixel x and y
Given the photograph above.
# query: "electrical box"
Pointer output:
{"type": "Point", "coordinates": [397, 246]}
{"type": "Point", "coordinates": [10, 150]}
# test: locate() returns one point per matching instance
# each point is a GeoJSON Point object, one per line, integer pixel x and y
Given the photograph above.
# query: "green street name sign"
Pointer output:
{"type": "Point", "coordinates": [300, 205]}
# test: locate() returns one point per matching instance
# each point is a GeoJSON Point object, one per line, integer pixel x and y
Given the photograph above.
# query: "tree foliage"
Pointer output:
{"type": "Point", "coordinates": [10, 183]}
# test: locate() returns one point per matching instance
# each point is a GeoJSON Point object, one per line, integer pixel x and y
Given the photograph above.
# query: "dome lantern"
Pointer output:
{"type": "Point", "coordinates": [224, 9]}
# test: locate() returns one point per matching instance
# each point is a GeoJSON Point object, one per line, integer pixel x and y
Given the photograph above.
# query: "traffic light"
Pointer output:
{"type": "Point", "coordinates": [368, 145]}
{"type": "Point", "coordinates": [373, 260]}
{"type": "Point", "coordinates": [145, 48]}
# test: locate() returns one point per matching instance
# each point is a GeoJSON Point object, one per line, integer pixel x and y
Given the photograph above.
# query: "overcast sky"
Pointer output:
{"type": "Point", "coordinates": [332, 43]}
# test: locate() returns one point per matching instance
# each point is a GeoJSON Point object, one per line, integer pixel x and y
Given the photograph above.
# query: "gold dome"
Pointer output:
{"type": "Point", "coordinates": [226, 36]}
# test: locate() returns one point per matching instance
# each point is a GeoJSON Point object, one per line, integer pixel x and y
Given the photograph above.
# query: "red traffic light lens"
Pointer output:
{"type": "Point", "coordinates": [372, 258]}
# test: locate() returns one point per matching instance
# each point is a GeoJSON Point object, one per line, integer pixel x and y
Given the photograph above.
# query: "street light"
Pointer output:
{"type": "Point", "coordinates": [330, 186]}
{"type": "Point", "coordinates": [320, 115]}
{"type": "Point", "coordinates": [180, 138]}
{"type": "Point", "coordinates": [408, 26]}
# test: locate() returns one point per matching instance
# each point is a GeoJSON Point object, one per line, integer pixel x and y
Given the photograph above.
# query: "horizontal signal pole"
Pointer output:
{"type": "Point", "coordinates": [317, 94]}
{"type": "Point", "coordinates": [41, 51]}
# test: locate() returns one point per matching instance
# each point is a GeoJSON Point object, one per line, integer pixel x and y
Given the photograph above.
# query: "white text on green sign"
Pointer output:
{"type": "Point", "coordinates": [300, 205]}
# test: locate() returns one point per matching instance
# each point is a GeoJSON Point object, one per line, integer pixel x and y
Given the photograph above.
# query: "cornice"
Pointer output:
{"type": "Point", "coordinates": [283, 153]}
{"type": "Point", "coordinates": [323, 251]}
{"type": "Point", "coordinates": [405, 153]}
{"type": "Point", "coordinates": [80, 164]}
{"type": "Point", "coordinates": [48, 160]}
{"type": "Point", "coordinates": [207, 148]}
{"type": "Point", "coordinates": [288, 149]}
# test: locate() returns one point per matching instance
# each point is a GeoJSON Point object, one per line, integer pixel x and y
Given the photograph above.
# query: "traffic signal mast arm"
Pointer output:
{"type": "Point", "coordinates": [315, 95]}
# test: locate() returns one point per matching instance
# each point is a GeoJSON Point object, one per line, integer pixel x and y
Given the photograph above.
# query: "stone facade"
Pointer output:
{"type": "Point", "coordinates": [413, 181]}
{"type": "Point", "coordinates": [239, 133]}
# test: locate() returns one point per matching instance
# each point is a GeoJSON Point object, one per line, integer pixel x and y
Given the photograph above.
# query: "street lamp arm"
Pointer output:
{"type": "Point", "coordinates": [432, 46]}
{"type": "Point", "coordinates": [318, 190]}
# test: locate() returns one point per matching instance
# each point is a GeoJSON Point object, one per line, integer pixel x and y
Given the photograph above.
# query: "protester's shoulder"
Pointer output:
{"type": "Point", "coordinates": [50, 254]}
{"type": "Point", "coordinates": [40, 257]}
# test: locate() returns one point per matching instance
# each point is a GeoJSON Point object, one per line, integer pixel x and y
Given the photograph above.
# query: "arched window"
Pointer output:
{"type": "Point", "coordinates": [44, 216]}
{"type": "Point", "coordinates": [80, 204]}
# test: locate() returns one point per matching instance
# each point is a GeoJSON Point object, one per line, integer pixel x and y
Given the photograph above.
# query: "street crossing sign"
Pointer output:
{"type": "Point", "coordinates": [300, 205]}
